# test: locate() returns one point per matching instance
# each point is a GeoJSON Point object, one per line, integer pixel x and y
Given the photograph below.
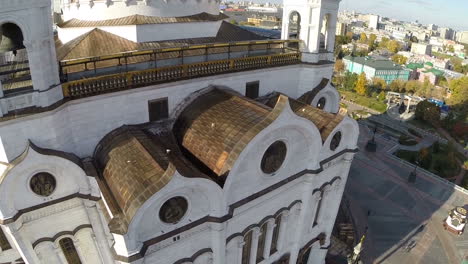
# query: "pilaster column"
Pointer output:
{"type": "Point", "coordinates": [22, 243]}
{"type": "Point", "coordinates": [79, 248]}
{"type": "Point", "coordinates": [331, 31]}
{"type": "Point", "coordinates": [219, 242]}
{"type": "Point", "coordinates": [282, 231]}
{"type": "Point", "coordinates": [240, 246]}
{"type": "Point", "coordinates": [254, 245]}
{"type": "Point", "coordinates": [101, 238]}
{"type": "Point", "coordinates": [47, 253]}
{"type": "Point", "coordinates": [268, 238]}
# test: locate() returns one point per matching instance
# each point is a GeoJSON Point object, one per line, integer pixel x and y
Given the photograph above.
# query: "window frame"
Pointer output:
{"type": "Point", "coordinates": [255, 93]}
{"type": "Point", "coordinates": [157, 116]}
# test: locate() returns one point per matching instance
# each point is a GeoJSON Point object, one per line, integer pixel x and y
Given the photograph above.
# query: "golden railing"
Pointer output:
{"type": "Point", "coordinates": [123, 81]}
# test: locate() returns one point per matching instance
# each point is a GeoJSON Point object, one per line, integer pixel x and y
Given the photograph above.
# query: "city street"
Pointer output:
{"type": "Point", "coordinates": [404, 220]}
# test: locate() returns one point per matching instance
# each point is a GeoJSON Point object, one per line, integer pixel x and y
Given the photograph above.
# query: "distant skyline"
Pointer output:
{"type": "Point", "coordinates": [444, 13]}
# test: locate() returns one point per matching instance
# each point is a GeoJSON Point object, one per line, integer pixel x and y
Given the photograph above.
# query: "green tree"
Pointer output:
{"type": "Point", "coordinates": [349, 81]}
{"type": "Point", "coordinates": [361, 84]}
{"type": "Point", "coordinates": [381, 97]}
{"type": "Point", "coordinates": [451, 48]}
{"type": "Point", "coordinates": [459, 97]}
{"type": "Point", "coordinates": [428, 112]}
{"type": "Point", "coordinates": [393, 46]}
{"type": "Point", "coordinates": [233, 21]}
{"type": "Point", "coordinates": [399, 59]}
{"type": "Point", "coordinates": [350, 35]}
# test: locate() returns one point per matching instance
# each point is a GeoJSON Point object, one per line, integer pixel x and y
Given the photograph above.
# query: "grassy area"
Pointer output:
{"type": "Point", "coordinates": [369, 102]}
{"type": "Point", "coordinates": [441, 55]}
{"type": "Point", "coordinates": [437, 162]}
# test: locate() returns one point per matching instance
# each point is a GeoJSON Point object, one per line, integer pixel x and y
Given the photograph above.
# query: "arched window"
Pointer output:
{"type": "Point", "coordinates": [274, 239]}
{"type": "Point", "coordinates": [317, 210]}
{"type": "Point", "coordinates": [294, 27]}
{"type": "Point", "coordinates": [15, 74]}
{"type": "Point", "coordinates": [246, 247]}
{"type": "Point", "coordinates": [69, 250]}
{"type": "Point", "coordinates": [324, 32]}
{"type": "Point", "coordinates": [321, 103]}
{"type": "Point", "coordinates": [261, 242]}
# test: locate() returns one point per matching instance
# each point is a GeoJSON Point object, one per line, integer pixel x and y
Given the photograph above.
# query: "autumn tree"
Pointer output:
{"type": "Point", "coordinates": [350, 35]}
{"type": "Point", "coordinates": [397, 86]}
{"type": "Point", "coordinates": [371, 41]}
{"type": "Point", "coordinates": [399, 59]}
{"type": "Point", "coordinates": [459, 88]}
{"type": "Point", "coordinates": [363, 38]}
{"type": "Point", "coordinates": [384, 43]}
{"type": "Point", "coordinates": [451, 48]}
{"type": "Point", "coordinates": [361, 84]}
{"type": "Point", "coordinates": [412, 86]}
{"type": "Point", "coordinates": [381, 97]}
{"type": "Point", "coordinates": [379, 83]}
{"type": "Point", "coordinates": [393, 46]}
{"type": "Point", "coordinates": [339, 66]}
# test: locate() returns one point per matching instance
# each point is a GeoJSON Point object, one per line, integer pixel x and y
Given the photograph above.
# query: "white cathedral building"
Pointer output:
{"type": "Point", "coordinates": [152, 131]}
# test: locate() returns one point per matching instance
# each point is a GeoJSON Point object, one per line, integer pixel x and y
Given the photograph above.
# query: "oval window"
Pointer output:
{"type": "Point", "coordinates": [321, 103]}
{"type": "Point", "coordinates": [335, 142]}
{"type": "Point", "coordinates": [43, 184]}
{"type": "Point", "coordinates": [173, 210]}
{"type": "Point", "coordinates": [274, 157]}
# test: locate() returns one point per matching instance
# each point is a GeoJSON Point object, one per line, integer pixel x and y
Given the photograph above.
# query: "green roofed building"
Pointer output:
{"type": "Point", "coordinates": [376, 68]}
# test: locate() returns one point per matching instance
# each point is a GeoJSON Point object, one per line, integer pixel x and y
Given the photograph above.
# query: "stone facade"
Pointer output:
{"type": "Point", "coordinates": [61, 203]}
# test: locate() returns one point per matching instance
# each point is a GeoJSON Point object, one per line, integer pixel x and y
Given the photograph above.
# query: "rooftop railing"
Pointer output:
{"type": "Point", "coordinates": [143, 68]}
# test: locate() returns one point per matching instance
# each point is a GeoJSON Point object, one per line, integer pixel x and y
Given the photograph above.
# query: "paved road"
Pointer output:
{"type": "Point", "coordinates": [378, 185]}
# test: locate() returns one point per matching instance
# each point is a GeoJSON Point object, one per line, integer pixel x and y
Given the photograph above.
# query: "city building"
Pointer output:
{"type": "Point", "coordinates": [432, 27]}
{"type": "Point", "coordinates": [462, 37]}
{"type": "Point", "coordinates": [264, 21]}
{"type": "Point", "coordinates": [421, 49]}
{"type": "Point", "coordinates": [376, 68]}
{"type": "Point", "coordinates": [426, 71]}
{"type": "Point", "coordinates": [155, 132]}
{"type": "Point", "coordinates": [374, 21]}
{"type": "Point", "coordinates": [447, 33]}
{"type": "Point", "coordinates": [341, 29]}
{"type": "Point", "coordinates": [400, 35]}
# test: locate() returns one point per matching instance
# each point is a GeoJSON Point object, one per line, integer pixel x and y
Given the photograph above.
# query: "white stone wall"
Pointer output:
{"type": "Point", "coordinates": [109, 9]}
{"type": "Point", "coordinates": [150, 32]}
{"type": "Point", "coordinates": [77, 126]}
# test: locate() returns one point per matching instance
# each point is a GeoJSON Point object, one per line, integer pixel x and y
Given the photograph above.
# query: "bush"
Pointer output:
{"type": "Point", "coordinates": [407, 155]}
{"type": "Point", "coordinates": [414, 132]}
{"type": "Point", "coordinates": [436, 147]}
{"type": "Point", "coordinates": [407, 141]}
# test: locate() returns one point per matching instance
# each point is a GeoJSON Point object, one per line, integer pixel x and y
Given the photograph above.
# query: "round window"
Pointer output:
{"type": "Point", "coordinates": [43, 184]}
{"type": "Point", "coordinates": [335, 142]}
{"type": "Point", "coordinates": [274, 157]}
{"type": "Point", "coordinates": [321, 103]}
{"type": "Point", "coordinates": [173, 210]}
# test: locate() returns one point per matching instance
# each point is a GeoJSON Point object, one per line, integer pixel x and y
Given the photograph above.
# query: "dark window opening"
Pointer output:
{"type": "Point", "coordinates": [321, 103]}
{"type": "Point", "coordinates": [252, 89]}
{"type": "Point", "coordinates": [274, 157]}
{"type": "Point", "coordinates": [246, 248]}
{"type": "Point", "coordinates": [335, 142]}
{"type": "Point", "coordinates": [274, 240]}
{"type": "Point", "coordinates": [69, 250]}
{"type": "Point", "coordinates": [261, 242]}
{"type": "Point", "coordinates": [158, 109]}
{"type": "Point", "coordinates": [4, 244]}
{"type": "Point", "coordinates": [317, 211]}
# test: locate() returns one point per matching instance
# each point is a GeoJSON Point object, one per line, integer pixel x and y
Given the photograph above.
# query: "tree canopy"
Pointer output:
{"type": "Point", "coordinates": [428, 112]}
{"type": "Point", "coordinates": [361, 84]}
